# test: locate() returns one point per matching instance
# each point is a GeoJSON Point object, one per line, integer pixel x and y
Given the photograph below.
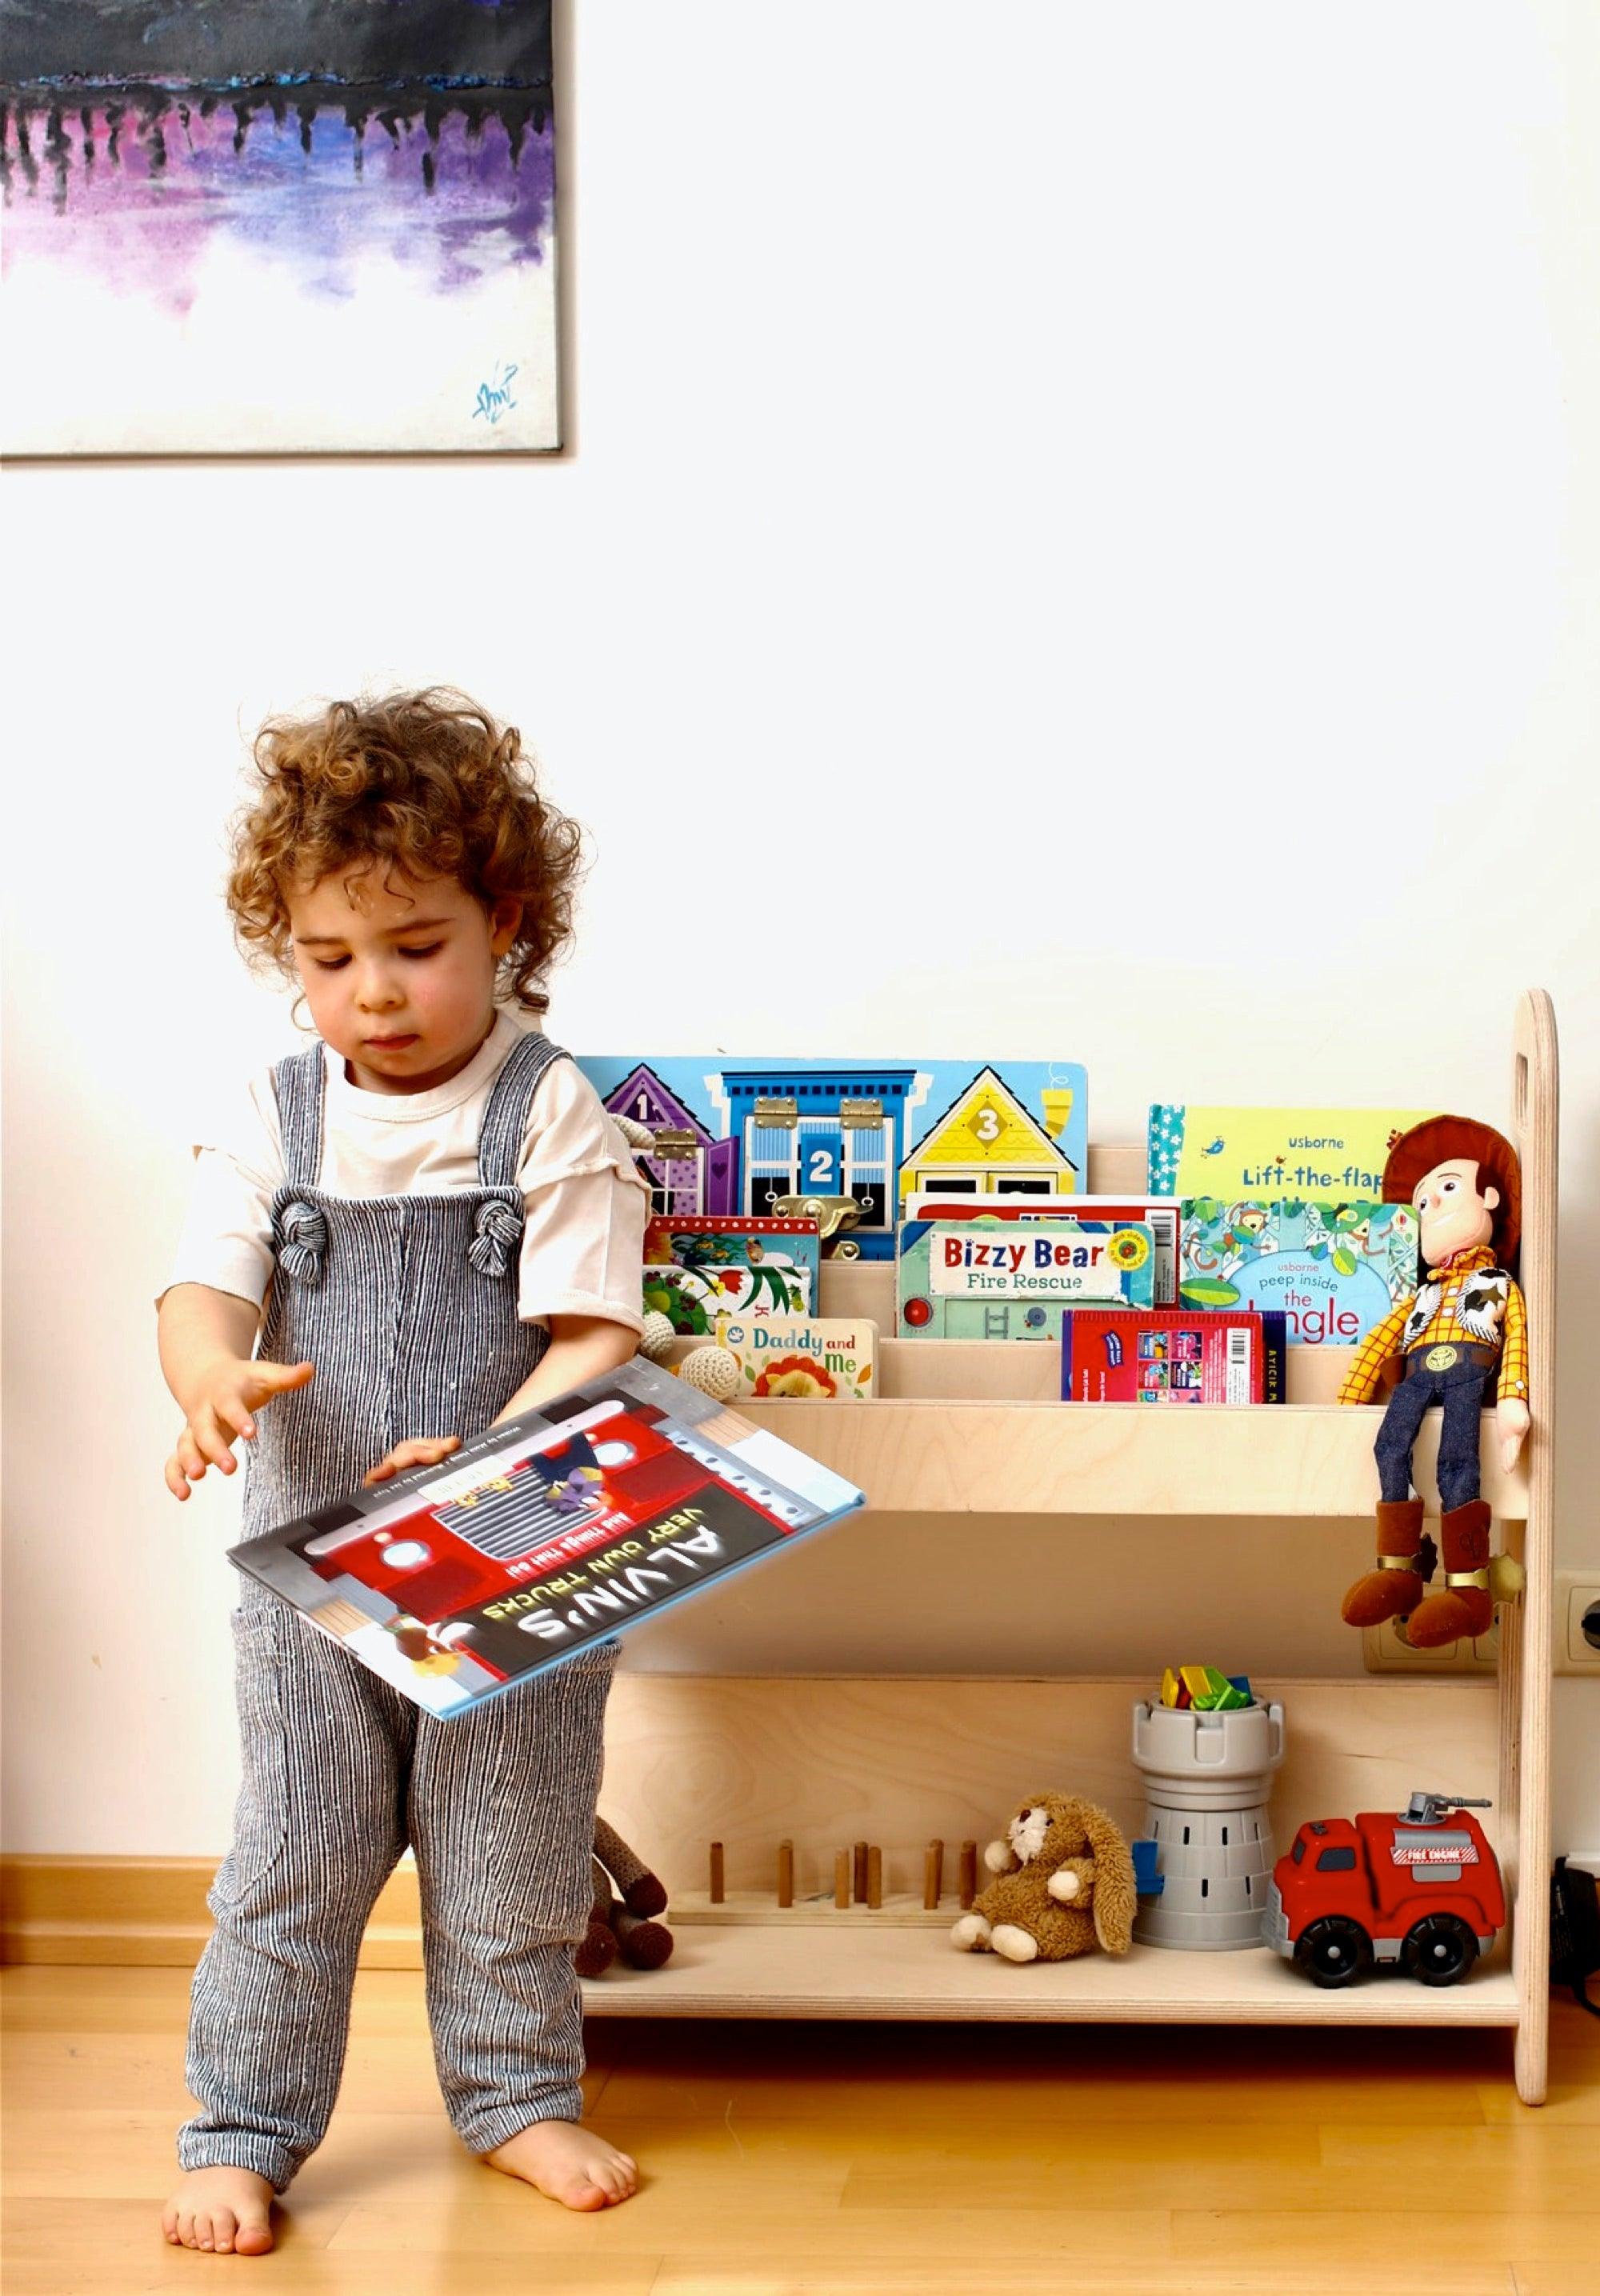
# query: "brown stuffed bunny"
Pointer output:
{"type": "Point", "coordinates": [1066, 1884]}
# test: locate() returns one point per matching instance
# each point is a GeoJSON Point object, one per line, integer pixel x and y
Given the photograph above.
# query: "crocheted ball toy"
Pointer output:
{"type": "Point", "coordinates": [714, 1371]}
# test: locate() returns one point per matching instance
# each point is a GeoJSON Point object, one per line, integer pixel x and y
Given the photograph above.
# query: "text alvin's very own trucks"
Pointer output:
{"type": "Point", "coordinates": [1422, 1889]}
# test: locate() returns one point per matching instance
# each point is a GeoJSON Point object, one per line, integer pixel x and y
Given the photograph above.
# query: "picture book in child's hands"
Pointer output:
{"type": "Point", "coordinates": [543, 1535]}
{"type": "Point", "coordinates": [1271, 1153]}
{"type": "Point", "coordinates": [1334, 1269]}
{"type": "Point", "coordinates": [993, 1279]}
{"type": "Point", "coordinates": [1164, 1356]}
{"type": "Point", "coordinates": [698, 1266]}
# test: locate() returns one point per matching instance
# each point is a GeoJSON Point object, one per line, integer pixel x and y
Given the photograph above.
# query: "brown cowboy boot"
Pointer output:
{"type": "Point", "coordinates": [1464, 1608]}
{"type": "Point", "coordinates": [1406, 1558]}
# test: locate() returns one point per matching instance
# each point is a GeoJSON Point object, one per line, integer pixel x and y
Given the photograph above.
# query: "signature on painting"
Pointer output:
{"type": "Point", "coordinates": [494, 398]}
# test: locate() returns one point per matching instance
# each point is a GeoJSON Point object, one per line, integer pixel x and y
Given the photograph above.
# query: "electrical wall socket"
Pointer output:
{"type": "Point", "coordinates": [1576, 1593]}
{"type": "Point", "coordinates": [1384, 1653]}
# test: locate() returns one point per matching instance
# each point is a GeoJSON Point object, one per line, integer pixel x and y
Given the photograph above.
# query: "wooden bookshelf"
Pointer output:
{"type": "Point", "coordinates": [965, 1429]}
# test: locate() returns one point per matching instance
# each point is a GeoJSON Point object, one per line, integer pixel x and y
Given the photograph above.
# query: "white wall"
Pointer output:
{"type": "Point", "coordinates": [1083, 536]}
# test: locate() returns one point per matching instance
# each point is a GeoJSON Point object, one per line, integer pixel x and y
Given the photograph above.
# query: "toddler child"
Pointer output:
{"type": "Point", "coordinates": [424, 1223]}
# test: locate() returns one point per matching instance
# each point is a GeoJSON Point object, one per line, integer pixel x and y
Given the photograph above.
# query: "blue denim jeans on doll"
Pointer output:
{"type": "Point", "coordinates": [1459, 1390]}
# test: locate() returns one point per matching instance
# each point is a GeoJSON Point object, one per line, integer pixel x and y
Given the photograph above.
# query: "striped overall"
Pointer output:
{"type": "Point", "coordinates": [407, 1307]}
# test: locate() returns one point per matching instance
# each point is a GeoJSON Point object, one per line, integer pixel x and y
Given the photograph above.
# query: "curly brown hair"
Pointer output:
{"type": "Point", "coordinates": [427, 781]}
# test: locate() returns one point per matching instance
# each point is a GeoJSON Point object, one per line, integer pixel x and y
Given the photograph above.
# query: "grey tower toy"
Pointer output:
{"type": "Point", "coordinates": [1207, 1779]}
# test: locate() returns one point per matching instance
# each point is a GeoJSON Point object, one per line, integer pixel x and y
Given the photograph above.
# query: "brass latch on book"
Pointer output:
{"type": "Point", "coordinates": [864, 1115]}
{"type": "Point", "coordinates": [675, 1146]}
{"type": "Point", "coordinates": [777, 1111]}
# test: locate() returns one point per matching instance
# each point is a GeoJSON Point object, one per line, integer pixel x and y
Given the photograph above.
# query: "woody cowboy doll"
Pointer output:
{"type": "Point", "coordinates": [1464, 1325]}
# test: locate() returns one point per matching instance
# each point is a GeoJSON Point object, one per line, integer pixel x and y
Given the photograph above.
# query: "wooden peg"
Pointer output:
{"type": "Point", "coordinates": [874, 1877]}
{"type": "Point", "coordinates": [861, 1873]}
{"type": "Point", "coordinates": [933, 1876]}
{"type": "Point", "coordinates": [717, 1874]}
{"type": "Point", "coordinates": [969, 1874]}
{"type": "Point", "coordinates": [786, 1873]}
{"type": "Point", "coordinates": [842, 1877]}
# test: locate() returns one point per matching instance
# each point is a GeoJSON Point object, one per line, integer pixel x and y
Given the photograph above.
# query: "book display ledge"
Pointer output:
{"type": "Point", "coordinates": [822, 1759]}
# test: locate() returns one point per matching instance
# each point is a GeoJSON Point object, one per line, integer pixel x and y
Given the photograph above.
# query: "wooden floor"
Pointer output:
{"type": "Point", "coordinates": [802, 2159]}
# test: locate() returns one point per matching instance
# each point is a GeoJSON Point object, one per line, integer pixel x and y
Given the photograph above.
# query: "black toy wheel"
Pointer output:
{"type": "Point", "coordinates": [1334, 1951]}
{"type": "Point", "coordinates": [1439, 1950]}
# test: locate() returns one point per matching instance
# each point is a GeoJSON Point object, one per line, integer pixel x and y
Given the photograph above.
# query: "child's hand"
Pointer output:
{"type": "Point", "coordinates": [421, 1451]}
{"type": "Point", "coordinates": [221, 1410]}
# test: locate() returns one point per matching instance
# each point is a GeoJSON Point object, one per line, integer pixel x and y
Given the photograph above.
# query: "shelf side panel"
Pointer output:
{"type": "Point", "coordinates": [1526, 1636]}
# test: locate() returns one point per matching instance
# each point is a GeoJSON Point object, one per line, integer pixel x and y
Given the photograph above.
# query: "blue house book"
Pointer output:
{"type": "Point", "coordinates": [737, 1137]}
{"type": "Point", "coordinates": [545, 1534]}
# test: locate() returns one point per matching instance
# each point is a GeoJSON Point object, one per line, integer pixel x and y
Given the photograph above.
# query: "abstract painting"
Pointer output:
{"type": "Point", "coordinates": [246, 227]}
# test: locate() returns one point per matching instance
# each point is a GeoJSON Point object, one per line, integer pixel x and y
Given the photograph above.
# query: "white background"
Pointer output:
{"type": "Point", "coordinates": [999, 439]}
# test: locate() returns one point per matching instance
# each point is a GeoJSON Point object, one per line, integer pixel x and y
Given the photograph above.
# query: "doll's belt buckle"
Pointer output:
{"type": "Point", "coordinates": [1441, 1358]}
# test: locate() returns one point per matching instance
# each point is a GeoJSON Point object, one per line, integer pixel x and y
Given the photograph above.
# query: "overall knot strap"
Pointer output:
{"type": "Point", "coordinates": [301, 1234]}
{"type": "Point", "coordinates": [498, 1234]}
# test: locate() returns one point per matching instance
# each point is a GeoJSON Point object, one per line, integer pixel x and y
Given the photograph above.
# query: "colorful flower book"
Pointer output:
{"type": "Point", "coordinates": [748, 1136]}
{"type": "Point", "coordinates": [698, 1266]}
{"type": "Point", "coordinates": [1338, 1153]}
{"type": "Point", "coordinates": [998, 1279]}
{"type": "Point", "coordinates": [546, 1534]}
{"type": "Point", "coordinates": [830, 1360]}
{"type": "Point", "coordinates": [1334, 1269]}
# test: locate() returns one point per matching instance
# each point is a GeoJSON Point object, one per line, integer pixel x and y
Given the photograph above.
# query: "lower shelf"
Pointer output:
{"type": "Point", "coordinates": [858, 1971]}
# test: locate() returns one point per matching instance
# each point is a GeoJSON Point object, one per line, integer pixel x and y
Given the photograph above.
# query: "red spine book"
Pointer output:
{"type": "Point", "coordinates": [1168, 1355]}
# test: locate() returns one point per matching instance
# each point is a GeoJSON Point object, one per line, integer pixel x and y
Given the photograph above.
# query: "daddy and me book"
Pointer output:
{"type": "Point", "coordinates": [826, 1359]}
{"type": "Point", "coordinates": [544, 1533]}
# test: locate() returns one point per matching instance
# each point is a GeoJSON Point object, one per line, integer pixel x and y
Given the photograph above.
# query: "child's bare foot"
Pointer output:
{"type": "Point", "coordinates": [568, 2163]}
{"type": "Point", "coordinates": [225, 2210]}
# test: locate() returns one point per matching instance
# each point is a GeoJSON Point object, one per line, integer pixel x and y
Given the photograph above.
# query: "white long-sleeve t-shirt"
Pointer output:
{"type": "Point", "coordinates": [584, 1199]}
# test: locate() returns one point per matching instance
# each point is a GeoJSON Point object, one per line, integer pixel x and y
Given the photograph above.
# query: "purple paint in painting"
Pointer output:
{"type": "Point", "coordinates": [141, 202]}
{"type": "Point", "coordinates": [137, 135]}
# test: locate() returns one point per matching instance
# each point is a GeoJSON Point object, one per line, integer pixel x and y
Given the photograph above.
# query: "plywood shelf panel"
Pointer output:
{"type": "Point", "coordinates": [1115, 1458]}
{"type": "Point", "coordinates": [751, 1969]}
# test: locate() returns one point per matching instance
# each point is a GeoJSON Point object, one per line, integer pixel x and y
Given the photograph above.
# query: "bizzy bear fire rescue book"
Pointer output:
{"type": "Point", "coordinates": [547, 1532]}
{"type": "Point", "coordinates": [994, 1279]}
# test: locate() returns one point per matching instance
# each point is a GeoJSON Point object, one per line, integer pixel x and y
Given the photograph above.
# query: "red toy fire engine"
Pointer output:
{"type": "Point", "coordinates": [1422, 1889]}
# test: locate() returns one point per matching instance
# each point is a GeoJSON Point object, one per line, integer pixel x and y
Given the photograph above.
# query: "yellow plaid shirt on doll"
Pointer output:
{"type": "Point", "coordinates": [1464, 1327]}
{"type": "Point", "coordinates": [1448, 1324]}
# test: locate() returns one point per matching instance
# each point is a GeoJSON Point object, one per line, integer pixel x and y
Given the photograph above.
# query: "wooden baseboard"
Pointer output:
{"type": "Point", "coordinates": [150, 1913]}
